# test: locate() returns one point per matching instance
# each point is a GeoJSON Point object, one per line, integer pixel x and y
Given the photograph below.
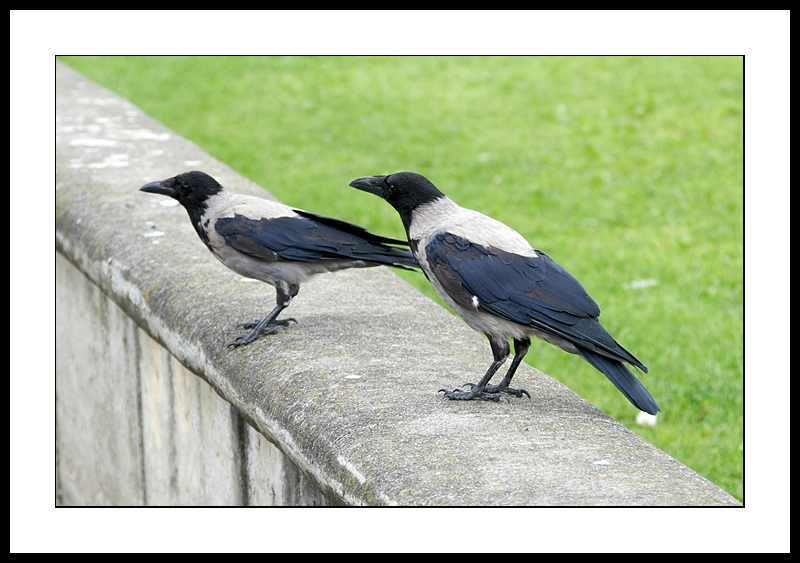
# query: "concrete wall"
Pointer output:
{"type": "Point", "coordinates": [341, 408]}
{"type": "Point", "coordinates": [136, 427]}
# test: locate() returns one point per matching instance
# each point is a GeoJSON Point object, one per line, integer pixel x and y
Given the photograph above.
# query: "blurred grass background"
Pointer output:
{"type": "Point", "coordinates": [622, 169]}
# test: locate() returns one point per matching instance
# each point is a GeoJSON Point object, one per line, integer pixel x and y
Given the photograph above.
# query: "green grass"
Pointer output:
{"type": "Point", "coordinates": [621, 169]}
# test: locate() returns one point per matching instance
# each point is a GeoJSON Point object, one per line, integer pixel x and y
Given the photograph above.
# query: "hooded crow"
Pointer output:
{"type": "Point", "coordinates": [272, 242]}
{"type": "Point", "coordinates": [494, 280]}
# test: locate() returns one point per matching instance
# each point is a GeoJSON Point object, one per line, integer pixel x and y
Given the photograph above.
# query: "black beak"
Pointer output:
{"type": "Point", "coordinates": [371, 184]}
{"type": "Point", "coordinates": [157, 188]}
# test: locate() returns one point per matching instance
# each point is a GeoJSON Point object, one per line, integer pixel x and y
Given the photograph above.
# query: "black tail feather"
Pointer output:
{"type": "Point", "coordinates": [372, 248]}
{"type": "Point", "coordinates": [386, 255]}
{"type": "Point", "coordinates": [622, 378]}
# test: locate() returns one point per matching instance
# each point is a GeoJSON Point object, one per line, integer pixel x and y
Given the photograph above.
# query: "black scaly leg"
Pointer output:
{"type": "Point", "coordinates": [520, 349]}
{"type": "Point", "coordinates": [500, 350]}
{"type": "Point", "coordinates": [284, 297]}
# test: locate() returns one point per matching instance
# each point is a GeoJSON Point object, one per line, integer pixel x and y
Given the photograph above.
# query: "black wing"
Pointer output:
{"type": "Point", "coordinates": [307, 239]}
{"type": "Point", "coordinates": [350, 228]}
{"type": "Point", "coordinates": [529, 290]}
{"type": "Point", "coordinates": [534, 291]}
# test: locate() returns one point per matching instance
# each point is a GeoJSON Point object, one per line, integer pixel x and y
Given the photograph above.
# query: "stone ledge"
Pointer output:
{"type": "Point", "coordinates": [348, 394]}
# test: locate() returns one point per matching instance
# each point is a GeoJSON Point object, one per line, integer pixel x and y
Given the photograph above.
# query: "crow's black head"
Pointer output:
{"type": "Point", "coordinates": [405, 191]}
{"type": "Point", "coordinates": [191, 189]}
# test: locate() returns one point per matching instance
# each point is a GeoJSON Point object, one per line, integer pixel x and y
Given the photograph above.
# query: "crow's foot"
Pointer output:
{"type": "Point", "coordinates": [282, 322]}
{"type": "Point", "coordinates": [502, 389]}
{"type": "Point", "coordinates": [458, 395]}
{"type": "Point", "coordinates": [271, 328]}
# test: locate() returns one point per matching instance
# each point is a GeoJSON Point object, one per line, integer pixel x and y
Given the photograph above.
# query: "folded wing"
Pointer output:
{"type": "Point", "coordinates": [529, 290]}
{"type": "Point", "coordinates": [309, 238]}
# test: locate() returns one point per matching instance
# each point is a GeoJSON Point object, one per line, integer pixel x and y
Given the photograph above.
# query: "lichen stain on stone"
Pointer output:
{"type": "Point", "coordinates": [149, 289]}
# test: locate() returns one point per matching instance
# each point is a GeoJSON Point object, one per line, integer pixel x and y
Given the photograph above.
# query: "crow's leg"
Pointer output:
{"type": "Point", "coordinates": [277, 324]}
{"type": "Point", "coordinates": [269, 325]}
{"type": "Point", "coordinates": [500, 350]}
{"type": "Point", "coordinates": [520, 349]}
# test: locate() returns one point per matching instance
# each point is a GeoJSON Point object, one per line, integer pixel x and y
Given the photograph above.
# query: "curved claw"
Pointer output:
{"type": "Point", "coordinates": [240, 341]}
{"type": "Point", "coordinates": [282, 322]}
{"type": "Point", "coordinates": [271, 328]}
{"type": "Point", "coordinates": [496, 389]}
{"type": "Point", "coordinates": [457, 395]}
{"type": "Point", "coordinates": [507, 390]}
{"type": "Point", "coordinates": [516, 392]}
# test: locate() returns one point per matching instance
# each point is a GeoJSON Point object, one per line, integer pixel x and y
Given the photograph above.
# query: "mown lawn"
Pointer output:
{"type": "Point", "coordinates": [626, 171]}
